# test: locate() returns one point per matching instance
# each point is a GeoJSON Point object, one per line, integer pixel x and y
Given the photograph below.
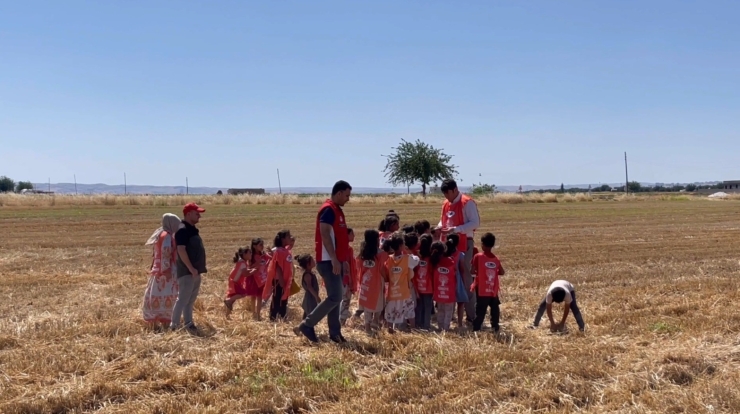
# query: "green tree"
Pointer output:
{"type": "Point", "coordinates": [7, 185]}
{"type": "Point", "coordinates": [417, 162]}
{"type": "Point", "coordinates": [604, 188]}
{"type": "Point", "coordinates": [634, 187]}
{"type": "Point", "coordinates": [691, 188]}
{"type": "Point", "coordinates": [562, 187]}
{"type": "Point", "coordinates": [23, 185]}
{"type": "Point", "coordinates": [481, 189]}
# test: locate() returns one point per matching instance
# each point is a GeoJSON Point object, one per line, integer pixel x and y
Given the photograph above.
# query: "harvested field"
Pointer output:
{"type": "Point", "coordinates": [658, 283]}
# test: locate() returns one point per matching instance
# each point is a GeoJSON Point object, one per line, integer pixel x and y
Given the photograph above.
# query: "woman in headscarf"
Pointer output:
{"type": "Point", "coordinates": [161, 290]}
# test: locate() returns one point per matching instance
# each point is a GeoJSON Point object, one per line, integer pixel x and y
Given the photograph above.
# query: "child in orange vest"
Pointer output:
{"type": "Point", "coordinates": [423, 282]}
{"type": "Point", "coordinates": [309, 283]}
{"type": "Point", "coordinates": [371, 262]}
{"type": "Point", "coordinates": [349, 282]}
{"type": "Point", "coordinates": [400, 271]}
{"type": "Point", "coordinates": [237, 279]}
{"type": "Point", "coordinates": [279, 276]}
{"type": "Point", "coordinates": [388, 226]}
{"type": "Point", "coordinates": [486, 269]}
{"type": "Point", "coordinates": [444, 267]}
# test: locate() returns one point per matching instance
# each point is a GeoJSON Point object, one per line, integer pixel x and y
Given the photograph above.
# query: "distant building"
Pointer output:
{"type": "Point", "coordinates": [731, 185]}
{"type": "Point", "coordinates": [237, 191]}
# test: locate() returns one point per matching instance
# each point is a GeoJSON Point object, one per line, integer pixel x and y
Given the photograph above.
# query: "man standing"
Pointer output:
{"type": "Point", "coordinates": [332, 262]}
{"type": "Point", "coordinates": [460, 215]}
{"type": "Point", "coordinates": [191, 263]}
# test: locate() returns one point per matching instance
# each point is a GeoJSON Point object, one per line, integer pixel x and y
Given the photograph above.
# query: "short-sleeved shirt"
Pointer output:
{"type": "Point", "coordinates": [327, 216]}
{"type": "Point", "coordinates": [560, 285]}
{"type": "Point", "coordinates": [189, 236]}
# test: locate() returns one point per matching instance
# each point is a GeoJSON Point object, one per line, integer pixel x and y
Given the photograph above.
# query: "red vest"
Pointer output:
{"type": "Point", "coordinates": [487, 275]}
{"type": "Point", "coordinates": [341, 238]}
{"type": "Point", "coordinates": [445, 281]}
{"type": "Point", "coordinates": [423, 277]}
{"type": "Point", "coordinates": [452, 216]}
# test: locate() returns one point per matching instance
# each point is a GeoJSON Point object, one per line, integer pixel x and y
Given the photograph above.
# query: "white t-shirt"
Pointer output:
{"type": "Point", "coordinates": [560, 284]}
{"type": "Point", "coordinates": [413, 261]}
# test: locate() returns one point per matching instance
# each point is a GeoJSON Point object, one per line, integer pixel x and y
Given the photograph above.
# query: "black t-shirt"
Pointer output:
{"type": "Point", "coordinates": [189, 236]}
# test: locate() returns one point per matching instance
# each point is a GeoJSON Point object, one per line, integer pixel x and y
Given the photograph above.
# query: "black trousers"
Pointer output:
{"type": "Point", "coordinates": [573, 309]}
{"type": "Point", "coordinates": [278, 307]}
{"type": "Point", "coordinates": [481, 308]}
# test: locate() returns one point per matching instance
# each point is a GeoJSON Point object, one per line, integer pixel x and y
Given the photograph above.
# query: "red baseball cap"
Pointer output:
{"type": "Point", "coordinates": [192, 207]}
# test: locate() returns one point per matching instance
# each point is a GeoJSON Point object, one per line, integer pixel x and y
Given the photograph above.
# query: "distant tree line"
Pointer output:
{"type": "Point", "coordinates": [7, 185]}
{"type": "Point", "coordinates": [636, 187]}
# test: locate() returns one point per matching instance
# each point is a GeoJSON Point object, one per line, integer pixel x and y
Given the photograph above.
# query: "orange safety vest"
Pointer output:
{"type": "Point", "coordinates": [371, 282]}
{"type": "Point", "coordinates": [423, 277]}
{"type": "Point", "coordinates": [284, 259]}
{"type": "Point", "coordinates": [445, 281]}
{"type": "Point", "coordinates": [398, 275]}
{"type": "Point", "coordinates": [452, 216]}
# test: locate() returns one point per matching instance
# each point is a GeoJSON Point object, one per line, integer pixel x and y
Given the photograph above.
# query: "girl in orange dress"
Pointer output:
{"type": "Point", "coordinates": [260, 261]}
{"type": "Point", "coordinates": [240, 273]}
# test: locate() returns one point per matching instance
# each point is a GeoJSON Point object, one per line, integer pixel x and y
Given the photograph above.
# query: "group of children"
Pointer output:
{"type": "Point", "coordinates": [401, 278]}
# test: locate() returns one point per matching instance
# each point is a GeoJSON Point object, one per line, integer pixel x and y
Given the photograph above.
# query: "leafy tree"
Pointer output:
{"type": "Point", "coordinates": [23, 185]}
{"type": "Point", "coordinates": [562, 187]}
{"type": "Point", "coordinates": [482, 189]}
{"type": "Point", "coordinates": [7, 185]}
{"type": "Point", "coordinates": [634, 187]}
{"type": "Point", "coordinates": [691, 188]}
{"type": "Point", "coordinates": [604, 188]}
{"type": "Point", "coordinates": [418, 162]}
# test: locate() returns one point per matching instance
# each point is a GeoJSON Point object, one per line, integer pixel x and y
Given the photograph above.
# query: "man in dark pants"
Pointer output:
{"type": "Point", "coordinates": [332, 262]}
{"type": "Point", "coordinates": [191, 263]}
{"type": "Point", "coordinates": [560, 291]}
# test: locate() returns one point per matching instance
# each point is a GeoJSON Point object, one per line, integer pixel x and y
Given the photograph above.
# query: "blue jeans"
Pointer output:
{"type": "Point", "coordinates": [329, 307]}
{"type": "Point", "coordinates": [573, 309]}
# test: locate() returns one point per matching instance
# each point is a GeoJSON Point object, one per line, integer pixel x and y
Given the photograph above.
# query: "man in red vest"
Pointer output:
{"type": "Point", "coordinates": [460, 215]}
{"type": "Point", "coordinates": [332, 262]}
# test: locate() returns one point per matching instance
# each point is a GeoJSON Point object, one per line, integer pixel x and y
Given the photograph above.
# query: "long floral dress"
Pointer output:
{"type": "Point", "coordinates": [161, 290]}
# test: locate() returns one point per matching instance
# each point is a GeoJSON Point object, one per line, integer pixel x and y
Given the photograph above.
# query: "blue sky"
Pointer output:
{"type": "Point", "coordinates": [520, 92]}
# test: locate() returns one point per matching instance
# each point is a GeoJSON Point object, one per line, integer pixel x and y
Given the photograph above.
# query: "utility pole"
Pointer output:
{"type": "Point", "coordinates": [626, 176]}
{"type": "Point", "coordinates": [125, 187]}
{"type": "Point", "coordinates": [280, 187]}
{"type": "Point", "coordinates": [75, 176]}
{"type": "Point", "coordinates": [49, 184]}
{"type": "Point", "coordinates": [187, 186]}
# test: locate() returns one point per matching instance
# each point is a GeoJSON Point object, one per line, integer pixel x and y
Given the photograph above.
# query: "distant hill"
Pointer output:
{"type": "Point", "coordinates": [69, 188]}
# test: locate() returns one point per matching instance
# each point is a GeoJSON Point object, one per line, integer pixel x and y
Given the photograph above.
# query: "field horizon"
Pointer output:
{"type": "Point", "coordinates": [656, 280]}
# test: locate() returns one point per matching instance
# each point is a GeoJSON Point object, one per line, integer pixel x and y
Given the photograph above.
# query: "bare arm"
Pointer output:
{"type": "Point", "coordinates": [309, 287]}
{"type": "Point", "coordinates": [549, 314]}
{"type": "Point", "coordinates": [239, 274]}
{"type": "Point", "coordinates": [566, 309]}
{"type": "Point", "coordinates": [501, 271]}
{"type": "Point", "coordinates": [183, 253]}
{"type": "Point", "coordinates": [325, 230]}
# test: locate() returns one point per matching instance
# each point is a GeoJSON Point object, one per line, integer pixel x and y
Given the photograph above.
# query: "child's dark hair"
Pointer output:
{"type": "Point", "coordinates": [349, 230]}
{"type": "Point", "coordinates": [558, 295]}
{"type": "Point", "coordinates": [407, 228]}
{"type": "Point", "coordinates": [239, 253]}
{"type": "Point", "coordinates": [452, 241]}
{"type": "Point", "coordinates": [422, 226]}
{"type": "Point", "coordinates": [411, 240]}
{"type": "Point", "coordinates": [396, 242]}
{"type": "Point", "coordinates": [303, 260]}
{"type": "Point", "coordinates": [390, 221]}
{"type": "Point", "coordinates": [488, 240]}
{"type": "Point", "coordinates": [255, 242]}
{"type": "Point", "coordinates": [381, 226]}
{"type": "Point", "coordinates": [425, 245]}
{"type": "Point", "coordinates": [278, 242]}
{"type": "Point", "coordinates": [369, 246]}
{"type": "Point", "coordinates": [437, 251]}
{"type": "Point", "coordinates": [386, 247]}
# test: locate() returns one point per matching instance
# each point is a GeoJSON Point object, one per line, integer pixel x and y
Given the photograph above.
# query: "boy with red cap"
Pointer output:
{"type": "Point", "coordinates": [191, 263]}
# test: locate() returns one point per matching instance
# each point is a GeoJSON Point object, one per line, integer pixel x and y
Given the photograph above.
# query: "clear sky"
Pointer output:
{"type": "Point", "coordinates": [520, 92]}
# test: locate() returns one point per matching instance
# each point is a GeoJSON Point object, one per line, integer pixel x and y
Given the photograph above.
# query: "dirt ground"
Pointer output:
{"type": "Point", "coordinates": [658, 283]}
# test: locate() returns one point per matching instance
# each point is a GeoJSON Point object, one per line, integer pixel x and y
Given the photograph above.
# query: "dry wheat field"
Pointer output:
{"type": "Point", "coordinates": [658, 283]}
